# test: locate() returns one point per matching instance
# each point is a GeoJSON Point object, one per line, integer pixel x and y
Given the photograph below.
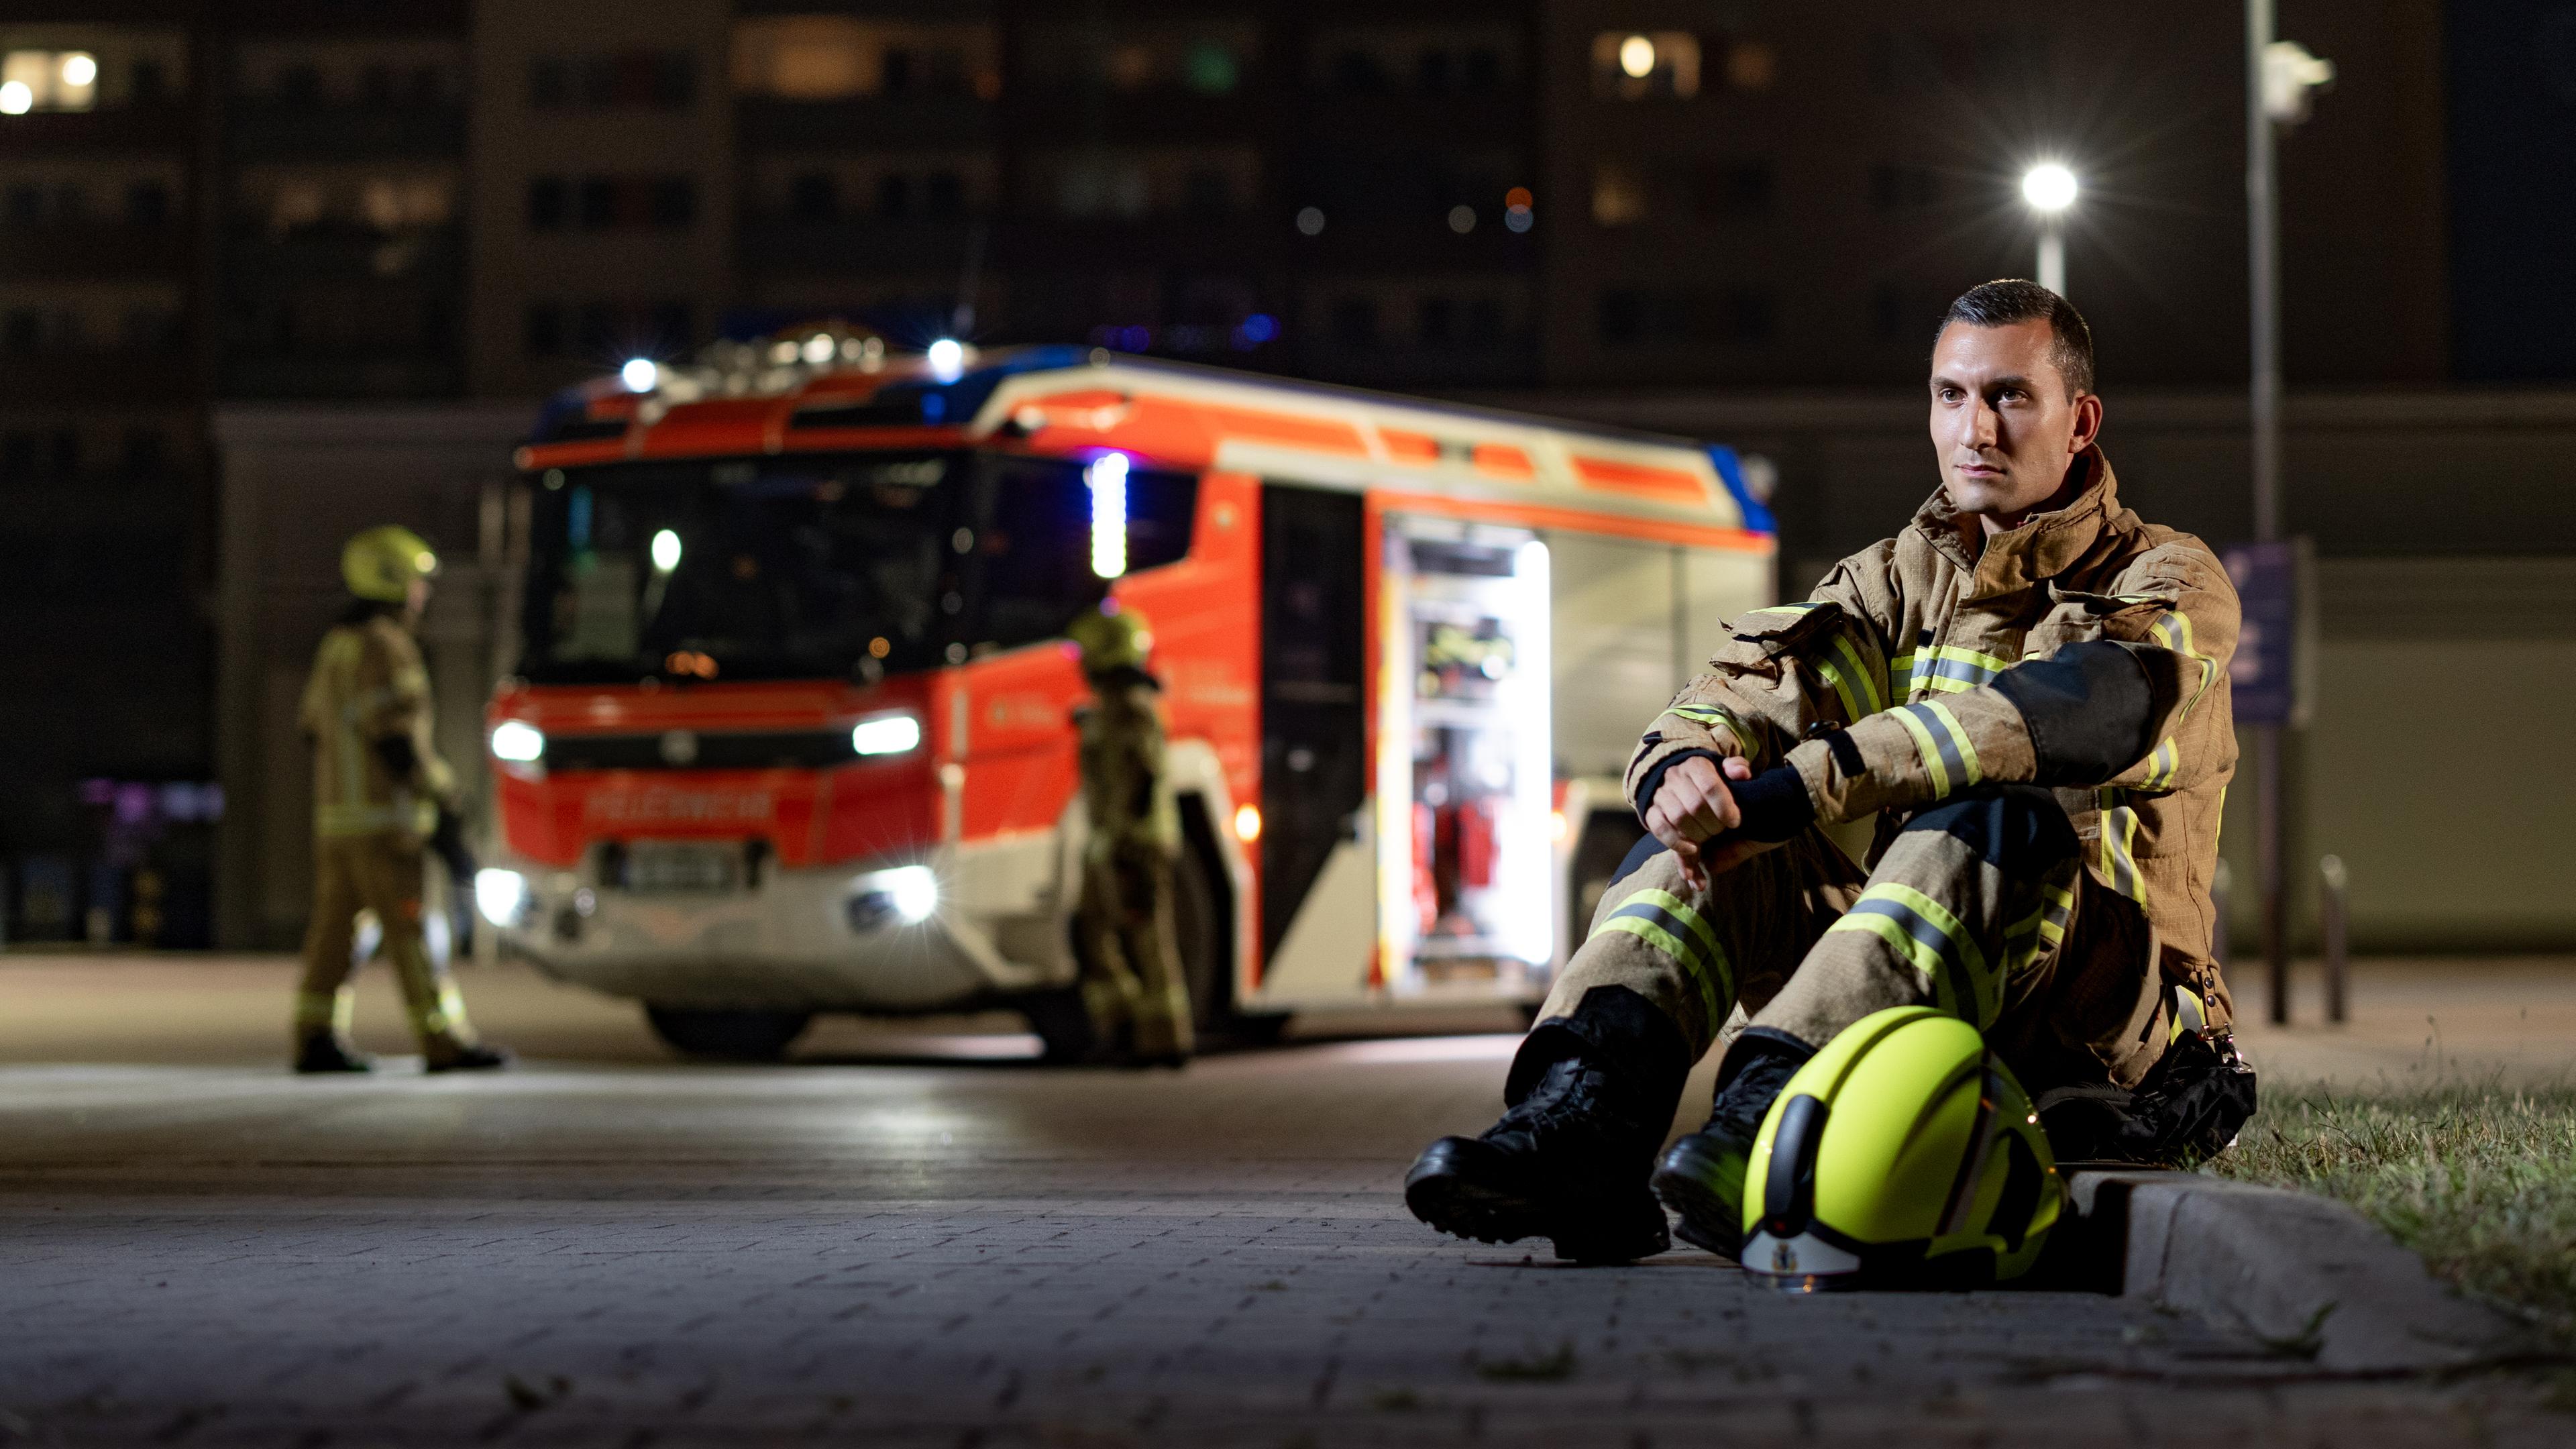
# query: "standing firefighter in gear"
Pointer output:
{"type": "Point", "coordinates": [2028, 688]}
{"type": "Point", "coordinates": [1133, 986]}
{"type": "Point", "coordinates": [380, 792]}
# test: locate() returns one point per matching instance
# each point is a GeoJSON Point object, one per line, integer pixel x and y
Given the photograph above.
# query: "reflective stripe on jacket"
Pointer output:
{"type": "Point", "coordinates": [1881, 690]}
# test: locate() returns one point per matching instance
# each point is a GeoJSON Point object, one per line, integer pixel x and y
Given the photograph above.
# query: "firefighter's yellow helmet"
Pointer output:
{"type": "Point", "coordinates": [1112, 637]}
{"type": "Point", "coordinates": [1902, 1155]}
{"type": "Point", "coordinates": [380, 563]}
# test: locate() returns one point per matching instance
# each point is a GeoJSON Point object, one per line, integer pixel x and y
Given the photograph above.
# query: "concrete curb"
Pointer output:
{"type": "Point", "coordinates": [2307, 1275]}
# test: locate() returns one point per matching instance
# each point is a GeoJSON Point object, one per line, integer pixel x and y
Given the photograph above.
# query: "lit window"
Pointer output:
{"type": "Point", "coordinates": [1618, 195]}
{"type": "Point", "coordinates": [1631, 65]}
{"type": "Point", "coordinates": [48, 80]}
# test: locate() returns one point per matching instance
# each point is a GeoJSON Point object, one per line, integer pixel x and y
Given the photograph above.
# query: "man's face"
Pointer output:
{"type": "Point", "coordinates": [416, 599]}
{"type": "Point", "coordinates": [2002, 423]}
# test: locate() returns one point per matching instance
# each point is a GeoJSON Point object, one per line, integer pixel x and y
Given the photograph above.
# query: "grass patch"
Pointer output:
{"type": "Point", "coordinates": [2479, 1180]}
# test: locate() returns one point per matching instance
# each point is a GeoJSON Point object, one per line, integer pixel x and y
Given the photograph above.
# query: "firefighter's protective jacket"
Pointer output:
{"type": "Point", "coordinates": [1126, 790]}
{"type": "Point", "coordinates": [2085, 650]}
{"type": "Point", "coordinates": [368, 687]}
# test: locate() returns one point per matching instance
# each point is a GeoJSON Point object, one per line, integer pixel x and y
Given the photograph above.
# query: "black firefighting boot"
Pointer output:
{"type": "Point", "coordinates": [324, 1050]}
{"type": "Point", "coordinates": [1702, 1178]}
{"type": "Point", "coordinates": [465, 1056]}
{"type": "Point", "coordinates": [1590, 1096]}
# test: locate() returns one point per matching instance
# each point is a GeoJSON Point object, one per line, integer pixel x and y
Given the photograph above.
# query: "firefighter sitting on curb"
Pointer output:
{"type": "Point", "coordinates": [1133, 987]}
{"type": "Point", "coordinates": [2028, 688]}
{"type": "Point", "coordinates": [380, 791]}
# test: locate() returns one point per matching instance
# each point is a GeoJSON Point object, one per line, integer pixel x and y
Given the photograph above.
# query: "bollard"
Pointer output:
{"type": "Point", "coordinates": [2331, 881]}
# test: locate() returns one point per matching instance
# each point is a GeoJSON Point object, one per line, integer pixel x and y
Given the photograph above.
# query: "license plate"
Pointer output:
{"type": "Point", "coordinates": [653, 867]}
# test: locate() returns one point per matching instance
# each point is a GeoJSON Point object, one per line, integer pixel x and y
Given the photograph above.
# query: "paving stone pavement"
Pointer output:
{"type": "Point", "coordinates": [919, 1251]}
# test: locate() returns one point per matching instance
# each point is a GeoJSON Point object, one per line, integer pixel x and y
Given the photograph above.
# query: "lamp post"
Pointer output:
{"type": "Point", "coordinates": [2050, 189]}
{"type": "Point", "coordinates": [2279, 75]}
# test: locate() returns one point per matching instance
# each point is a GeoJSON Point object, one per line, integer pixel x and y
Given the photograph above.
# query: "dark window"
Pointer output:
{"type": "Point", "coordinates": [545, 329]}
{"type": "Point", "coordinates": [144, 451]}
{"type": "Point", "coordinates": [1646, 317]}
{"type": "Point", "coordinates": [1208, 191]}
{"type": "Point", "coordinates": [1902, 188]}
{"type": "Point", "coordinates": [669, 325]}
{"type": "Point", "coordinates": [1033, 548]}
{"type": "Point", "coordinates": [894, 72]}
{"type": "Point", "coordinates": [1484, 322]}
{"type": "Point", "coordinates": [546, 203]}
{"type": "Point", "coordinates": [71, 201]}
{"type": "Point", "coordinates": [18, 455]}
{"type": "Point", "coordinates": [549, 82]}
{"type": "Point", "coordinates": [595, 80]}
{"type": "Point", "coordinates": [1436, 322]}
{"type": "Point", "coordinates": [428, 85]}
{"type": "Point", "coordinates": [947, 73]}
{"type": "Point", "coordinates": [598, 202]}
{"type": "Point", "coordinates": [63, 457]}
{"type": "Point", "coordinates": [1357, 71]}
{"type": "Point", "coordinates": [147, 327]}
{"type": "Point", "coordinates": [943, 194]}
{"type": "Point", "coordinates": [1484, 68]}
{"type": "Point", "coordinates": [26, 203]}
{"type": "Point", "coordinates": [300, 85]}
{"type": "Point", "coordinates": [675, 202]}
{"type": "Point", "coordinates": [894, 196]}
{"type": "Point", "coordinates": [22, 329]}
{"type": "Point", "coordinates": [147, 203]}
{"type": "Point", "coordinates": [376, 85]}
{"type": "Point", "coordinates": [150, 85]}
{"type": "Point", "coordinates": [675, 80]}
{"type": "Point", "coordinates": [813, 197]}
{"type": "Point", "coordinates": [1432, 72]}
{"type": "Point", "coordinates": [1734, 188]}
{"type": "Point", "coordinates": [1355, 323]}
{"type": "Point", "coordinates": [596, 328]}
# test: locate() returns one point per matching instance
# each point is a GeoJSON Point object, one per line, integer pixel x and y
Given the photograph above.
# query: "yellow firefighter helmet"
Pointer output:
{"type": "Point", "coordinates": [1902, 1155]}
{"type": "Point", "coordinates": [1112, 637]}
{"type": "Point", "coordinates": [380, 563]}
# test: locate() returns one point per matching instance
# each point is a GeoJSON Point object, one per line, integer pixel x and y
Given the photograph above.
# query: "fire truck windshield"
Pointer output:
{"type": "Point", "coordinates": [817, 566]}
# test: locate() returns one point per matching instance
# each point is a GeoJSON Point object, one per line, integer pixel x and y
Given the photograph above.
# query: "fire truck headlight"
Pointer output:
{"type": "Point", "coordinates": [887, 734]}
{"type": "Point", "coordinates": [915, 891]}
{"type": "Point", "coordinates": [909, 894]}
{"type": "Point", "coordinates": [518, 742]}
{"type": "Point", "coordinates": [639, 374]}
{"type": "Point", "coordinates": [501, 895]}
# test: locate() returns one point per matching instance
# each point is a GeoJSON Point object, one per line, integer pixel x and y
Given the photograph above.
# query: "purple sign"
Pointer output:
{"type": "Point", "coordinates": [2263, 676]}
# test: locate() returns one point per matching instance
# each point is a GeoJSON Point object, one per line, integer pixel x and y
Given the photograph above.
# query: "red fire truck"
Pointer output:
{"type": "Point", "coordinates": [790, 731]}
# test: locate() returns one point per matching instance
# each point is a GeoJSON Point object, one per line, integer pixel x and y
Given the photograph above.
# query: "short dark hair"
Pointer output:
{"type": "Point", "coordinates": [2010, 300]}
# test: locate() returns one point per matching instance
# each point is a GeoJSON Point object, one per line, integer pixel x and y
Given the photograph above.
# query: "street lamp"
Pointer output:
{"type": "Point", "coordinates": [2050, 189]}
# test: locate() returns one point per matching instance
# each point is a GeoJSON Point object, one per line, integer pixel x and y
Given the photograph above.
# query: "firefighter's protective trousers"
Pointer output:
{"type": "Point", "coordinates": [379, 873]}
{"type": "Point", "coordinates": [1978, 907]}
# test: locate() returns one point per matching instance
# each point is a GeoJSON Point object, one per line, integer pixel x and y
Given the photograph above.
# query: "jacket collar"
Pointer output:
{"type": "Point", "coordinates": [2044, 546]}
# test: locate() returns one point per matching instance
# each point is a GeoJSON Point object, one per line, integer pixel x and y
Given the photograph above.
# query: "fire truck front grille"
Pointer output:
{"type": "Point", "coordinates": [689, 750]}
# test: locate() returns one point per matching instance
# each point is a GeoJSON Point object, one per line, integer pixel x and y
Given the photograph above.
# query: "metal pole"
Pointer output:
{"type": "Point", "coordinates": [2264, 255]}
{"type": "Point", "coordinates": [2262, 217]}
{"type": "Point", "coordinates": [2332, 900]}
{"type": "Point", "coordinates": [2052, 255]}
{"type": "Point", "coordinates": [2268, 851]}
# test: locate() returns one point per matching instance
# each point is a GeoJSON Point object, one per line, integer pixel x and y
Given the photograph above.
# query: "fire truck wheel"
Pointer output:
{"type": "Point", "coordinates": [736, 1036]}
{"type": "Point", "coordinates": [1195, 921]}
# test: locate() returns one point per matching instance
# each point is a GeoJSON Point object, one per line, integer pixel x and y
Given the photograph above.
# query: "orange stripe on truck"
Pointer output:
{"type": "Point", "coordinates": [1668, 485]}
